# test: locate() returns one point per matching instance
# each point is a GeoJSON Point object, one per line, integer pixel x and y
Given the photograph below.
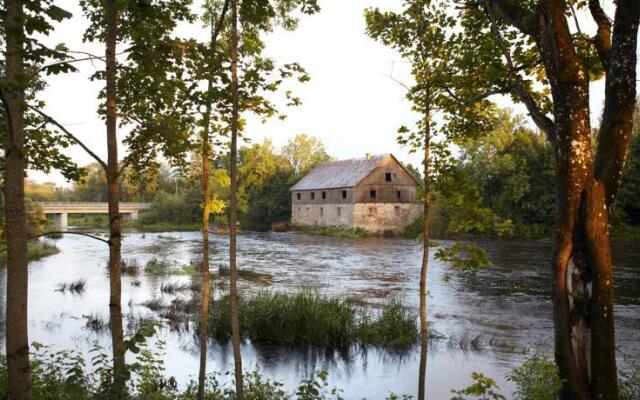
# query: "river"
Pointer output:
{"type": "Point", "coordinates": [490, 322]}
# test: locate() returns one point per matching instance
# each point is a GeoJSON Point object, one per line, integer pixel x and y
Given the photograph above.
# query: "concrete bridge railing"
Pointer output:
{"type": "Point", "coordinates": [61, 210]}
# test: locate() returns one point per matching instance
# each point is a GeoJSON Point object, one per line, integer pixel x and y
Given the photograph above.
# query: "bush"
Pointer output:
{"type": "Point", "coordinates": [537, 379]}
{"type": "Point", "coordinates": [629, 382]}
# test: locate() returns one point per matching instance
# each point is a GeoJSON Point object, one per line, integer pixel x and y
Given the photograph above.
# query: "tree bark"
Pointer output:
{"type": "Point", "coordinates": [424, 325]}
{"type": "Point", "coordinates": [17, 344]}
{"type": "Point", "coordinates": [582, 266]}
{"type": "Point", "coordinates": [233, 217]}
{"type": "Point", "coordinates": [113, 199]}
{"type": "Point", "coordinates": [206, 285]}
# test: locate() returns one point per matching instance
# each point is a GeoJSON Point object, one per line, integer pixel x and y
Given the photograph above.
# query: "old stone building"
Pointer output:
{"type": "Point", "coordinates": [375, 193]}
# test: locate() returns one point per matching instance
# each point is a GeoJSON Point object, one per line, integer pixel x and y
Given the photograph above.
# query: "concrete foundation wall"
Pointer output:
{"type": "Point", "coordinates": [379, 217]}
{"type": "Point", "coordinates": [339, 215]}
{"type": "Point", "coordinates": [373, 217]}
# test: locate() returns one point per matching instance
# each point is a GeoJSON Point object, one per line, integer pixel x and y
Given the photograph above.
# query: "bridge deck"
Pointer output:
{"type": "Point", "coordinates": [89, 207]}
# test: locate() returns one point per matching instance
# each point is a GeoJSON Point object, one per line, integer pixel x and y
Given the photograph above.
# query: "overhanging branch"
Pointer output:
{"type": "Point", "coordinates": [543, 122]}
{"type": "Point", "coordinates": [70, 135]}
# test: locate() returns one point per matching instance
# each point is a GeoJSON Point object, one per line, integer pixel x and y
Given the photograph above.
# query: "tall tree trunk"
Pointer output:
{"type": "Point", "coordinates": [424, 325]}
{"type": "Point", "coordinates": [233, 203]}
{"type": "Point", "coordinates": [113, 198]}
{"type": "Point", "coordinates": [582, 267]}
{"type": "Point", "coordinates": [15, 213]}
{"type": "Point", "coordinates": [206, 285]}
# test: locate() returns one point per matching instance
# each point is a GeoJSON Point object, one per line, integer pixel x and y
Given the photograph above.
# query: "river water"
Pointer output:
{"type": "Point", "coordinates": [489, 322]}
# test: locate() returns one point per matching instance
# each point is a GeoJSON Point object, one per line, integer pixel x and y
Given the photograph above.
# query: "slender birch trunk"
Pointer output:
{"type": "Point", "coordinates": [17, 344]}
{"type": "Point", "coordinates": [206, 285]}
{"type": "Point", "coordinates": [233, 218]}
{"type": "Point", "coordinates": [113, 198]}
{"type": "Point", "coordinates": [424, 325]}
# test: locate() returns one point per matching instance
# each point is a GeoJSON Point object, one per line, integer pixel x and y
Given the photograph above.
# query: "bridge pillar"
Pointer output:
{"type": "Point", "coordinates": [60, 221]}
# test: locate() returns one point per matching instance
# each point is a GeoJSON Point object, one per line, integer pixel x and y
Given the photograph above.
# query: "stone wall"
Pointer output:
{"type": "Point", "coordinates": [339, 215]}
{"type": "Point", "coordinates": [380, 217]}
{"type": "Point", "coordinates": [373, 217]}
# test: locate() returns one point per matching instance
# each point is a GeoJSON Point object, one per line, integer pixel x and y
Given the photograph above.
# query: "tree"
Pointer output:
{"type": "Point", "coordinates": [146, 99]}
{"type": "Point", "coordinates": [424, 46]}
{"type": "Point", "coordinates": [536, 53]}
{"type": "Point", "coordinates": [24, 60]}
{"type": "Point", "coordinates": [304, 152]}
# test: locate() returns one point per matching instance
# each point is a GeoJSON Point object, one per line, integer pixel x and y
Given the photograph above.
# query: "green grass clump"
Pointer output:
{"type": "Point", "coordinates": [157, 267]}
{"type": "Point", "coordinates": [262, 278]}
{"type": "Point", "coordinates": [163, 226]}
{"type": "Point", "coordinates": [38, 250]}
{"type": "Point", "coordinates": [396, 326]}
{"type": "Point", "coordinates": [332, 231]}
{"type": "Point", "coordinates": [307, 318]}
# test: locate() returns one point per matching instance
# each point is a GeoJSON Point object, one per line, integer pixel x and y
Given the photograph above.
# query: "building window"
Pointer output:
{"type": "Point", "coordinates": [387, 177]}
{"type": "Point", "coordinates": [299, 211]}
{"type": "Point", "coordinates": [298, 196]}
{"type": "Point", "coordinates": [324, 195]}
{"type": "Point", "coordinates": [321, 212]}
{"type": "Point", "coordinates": [339, 211]}
{"type": "Point", "coordinates": [372, 211]}
{"type": "Point", "coordinates": [313, 195]}
{"type": "Point", "coordinates": [399, 194]}
{"type": "Point", "coordinates": [372, 194]}
{"type": "Point", "coordinates": [397, 209]}
{"type": "Point", "coordinates": [344, 194]}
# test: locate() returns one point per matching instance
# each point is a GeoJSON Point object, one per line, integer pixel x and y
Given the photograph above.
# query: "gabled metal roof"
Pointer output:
{"type": "Point", "coordinates": [339, 174]}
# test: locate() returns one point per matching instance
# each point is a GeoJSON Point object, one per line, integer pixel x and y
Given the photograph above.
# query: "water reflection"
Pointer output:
{"type": "Point", "coordinates": [484, 322]}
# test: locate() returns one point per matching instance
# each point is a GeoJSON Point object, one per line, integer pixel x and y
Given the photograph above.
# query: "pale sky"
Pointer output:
{"type": "Point", "coordinates": [351, 103]}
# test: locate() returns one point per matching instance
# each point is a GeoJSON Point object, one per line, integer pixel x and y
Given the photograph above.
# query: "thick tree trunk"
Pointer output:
{"type": "Point", "coordinates": [17, 344]}
{"type": "Point", "coordinates": [424, 325]}
{"type": "Point", "coordinates": [582, 268]}
{"type": "Point", "coordinates": [233, 205]}
{"type": "Point", "coordinates": [206, 285]}
{"type": "Point", "coordinates": [113, 198]}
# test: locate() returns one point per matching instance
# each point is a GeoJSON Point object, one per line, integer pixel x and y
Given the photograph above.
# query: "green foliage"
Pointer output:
{"type": "Point", "coordinates": [483, 388]}
{"type": "Point", "coordinates": [332, 231]}
{"type": "Point", "coordinates": [38, 249]}
{"type": "Point", "coordinates": [304, 153]}
{"type": "Point", "coordinates": [174, 208]}
{"type": "Point", "coordinates": [629, 381]}
{"type": "Point", "coordinates": [315, 388]}
{"type": "Point", "coordinates": [464, 256]}
{"type": "Point", "coordinates": [537, 379]}
{"type": "Point", "coordinates": [308, 318]}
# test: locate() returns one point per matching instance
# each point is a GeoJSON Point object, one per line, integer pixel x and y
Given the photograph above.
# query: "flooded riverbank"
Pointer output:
{"type": "Point", "coordinates": [487, 322]}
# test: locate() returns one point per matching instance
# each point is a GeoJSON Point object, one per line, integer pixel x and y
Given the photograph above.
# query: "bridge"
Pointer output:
{"type": "Point", "coordinates": [61, 210]}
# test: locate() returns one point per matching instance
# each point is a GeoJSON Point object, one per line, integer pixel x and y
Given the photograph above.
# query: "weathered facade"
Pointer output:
{"type": "Point", "coordinates": [375, 193]}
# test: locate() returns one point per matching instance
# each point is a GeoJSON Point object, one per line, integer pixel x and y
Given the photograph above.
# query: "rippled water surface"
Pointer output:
{"type": "Point", "coordinates": [487, 321]}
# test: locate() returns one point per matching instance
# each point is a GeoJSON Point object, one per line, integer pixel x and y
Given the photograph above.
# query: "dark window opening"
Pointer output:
{"type": "Point", "coordinates": [372, 211]}
{"type": "Point", "coordinates": [387, 177]}
{"type": "Point", "coordinates": [298, 196]}
{"type": "Point", "coordinates": [372, 194]}
{"type": "Point", "coordinates": [397, 208]}
{"type": "Point", "coordinates": [313, 195]}
{"type": "Point", "coordinates": [339, 211]}
{"type": "Point", "coordinates": [321, 211]}
{"type": "Point", "coordinates": [324, 195]}
{"type": "Point", "coordinates": [344, 194]}
{"type": "Point", "coordinates": [399, 194]}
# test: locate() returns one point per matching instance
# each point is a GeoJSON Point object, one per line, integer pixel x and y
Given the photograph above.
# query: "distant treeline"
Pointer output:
{"type": "Point", "coordinates": [504, 179]}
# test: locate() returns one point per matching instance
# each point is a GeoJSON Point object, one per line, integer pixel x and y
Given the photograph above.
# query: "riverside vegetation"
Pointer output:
{"type": "Point", "coordinates": [64, 375]}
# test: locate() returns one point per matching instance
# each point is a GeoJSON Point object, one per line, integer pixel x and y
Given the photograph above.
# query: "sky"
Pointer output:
{"type": "Point", "coordinates": [351, 102]}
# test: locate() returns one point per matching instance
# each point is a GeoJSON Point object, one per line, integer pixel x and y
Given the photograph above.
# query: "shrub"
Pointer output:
{"type": "Point", "coordinates": [629, 382]}
{"type": "Point", "coordinates": [537, 379]}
